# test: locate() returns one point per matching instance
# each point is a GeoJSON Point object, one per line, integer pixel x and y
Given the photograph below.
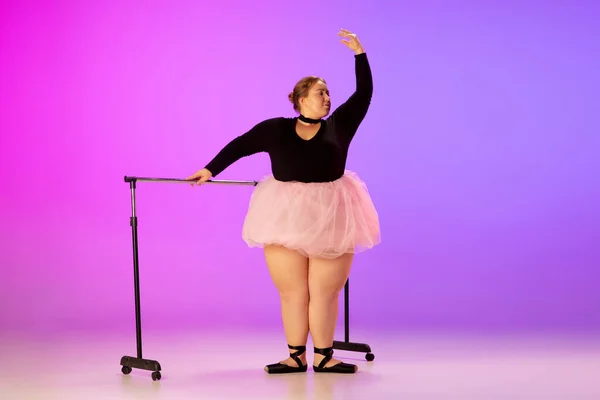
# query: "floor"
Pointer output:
{"type": "Point", "coordinates": [228, 365]}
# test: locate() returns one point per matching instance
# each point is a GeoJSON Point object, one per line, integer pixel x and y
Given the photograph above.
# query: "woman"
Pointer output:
{"type": "Point", "coordinates": [311, 216]}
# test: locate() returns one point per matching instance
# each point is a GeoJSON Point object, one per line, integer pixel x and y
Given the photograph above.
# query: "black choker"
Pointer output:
{"type": "Point", "coordinates": [308, 120]}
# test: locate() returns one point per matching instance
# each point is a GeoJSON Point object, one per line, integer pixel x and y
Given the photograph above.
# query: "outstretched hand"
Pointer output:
{"type": "Point", "coordinates": [351, 41]}
{"type": "Point", "coordinates": [199, 177]}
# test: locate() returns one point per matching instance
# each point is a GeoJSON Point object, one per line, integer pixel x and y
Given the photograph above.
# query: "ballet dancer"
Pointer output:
{"type": "Point", "coordinates": [311, 215]}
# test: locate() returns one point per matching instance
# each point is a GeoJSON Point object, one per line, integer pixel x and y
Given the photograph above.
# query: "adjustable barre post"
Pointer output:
{"type": "Point", "coordinates": [347, 345]}
{"type": "Point", "coordinates": [127, 362]}
{"type": "Point", "coordinates": [136, 271]}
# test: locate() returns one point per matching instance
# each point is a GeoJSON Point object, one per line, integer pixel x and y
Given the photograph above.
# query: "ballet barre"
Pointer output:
{"type": "Point", "coordinates": [133, 179]}
{"type": "Point", "coordinates": [129, 362]}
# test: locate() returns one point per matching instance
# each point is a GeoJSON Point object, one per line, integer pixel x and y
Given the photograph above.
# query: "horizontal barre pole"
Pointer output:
{"type": "Point", "coordinates": [189, 182]}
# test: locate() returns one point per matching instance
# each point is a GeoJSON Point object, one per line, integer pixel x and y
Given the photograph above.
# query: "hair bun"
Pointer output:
{"type": "Point", "coordinates": [291, 97]}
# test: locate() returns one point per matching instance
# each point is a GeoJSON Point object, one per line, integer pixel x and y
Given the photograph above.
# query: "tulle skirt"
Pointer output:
{"type": "Point", "coordinates": [323, 220]}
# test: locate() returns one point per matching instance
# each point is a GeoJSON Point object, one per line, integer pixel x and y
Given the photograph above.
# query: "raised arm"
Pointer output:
{"type": "Point", "coordinates": [350, 114]}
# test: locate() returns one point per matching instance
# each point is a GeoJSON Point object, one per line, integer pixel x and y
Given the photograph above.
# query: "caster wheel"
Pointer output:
{"type": "Point", "coordinates": [126, 370]}
{"type": "Point", "coordinates": [156, 376]}
{"type": "Point", "coordinates": [370, 356]}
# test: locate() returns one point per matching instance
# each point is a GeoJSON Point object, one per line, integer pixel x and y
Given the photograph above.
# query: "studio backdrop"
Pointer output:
{"type": "Point", "coordinates": [480, 151]}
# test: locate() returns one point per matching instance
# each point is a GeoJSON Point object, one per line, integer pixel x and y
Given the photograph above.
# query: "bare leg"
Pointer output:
{"type": "Point", "coordinates": [289, 271]}
{"type": "Point", "coordinates": [325, 280]}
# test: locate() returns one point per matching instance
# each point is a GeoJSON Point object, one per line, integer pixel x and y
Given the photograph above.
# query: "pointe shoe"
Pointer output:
{"type": "Point", "coordinates": [281, 368]}
{"type": "Point", "coordinates": [339, 368]}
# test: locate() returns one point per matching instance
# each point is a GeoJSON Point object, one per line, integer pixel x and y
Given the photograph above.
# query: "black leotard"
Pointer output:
{"type": "Point", "coordinates": [320, 159]}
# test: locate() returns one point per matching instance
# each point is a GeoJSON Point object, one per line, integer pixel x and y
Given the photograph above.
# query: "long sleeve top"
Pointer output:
{"type": "Point", "coordinates": [320, 159]}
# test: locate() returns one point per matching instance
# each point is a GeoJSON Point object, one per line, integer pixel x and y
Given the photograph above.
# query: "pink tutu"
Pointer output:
{"type": "Point", "coordinates": [322, 220]}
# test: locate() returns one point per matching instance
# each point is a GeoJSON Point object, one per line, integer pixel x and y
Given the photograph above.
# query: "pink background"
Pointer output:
{"type": "Point", "coordinates": [480, 152]}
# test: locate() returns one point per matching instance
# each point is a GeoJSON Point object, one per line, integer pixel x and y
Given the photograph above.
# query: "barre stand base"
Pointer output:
{"type": "Point", "coordinates": [347, 345]}
{"type": "Point", "coordinates": [129, 363]}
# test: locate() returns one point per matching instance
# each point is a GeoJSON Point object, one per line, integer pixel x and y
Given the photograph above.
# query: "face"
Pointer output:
{"type": "Point", "coordinates": [317, 103]}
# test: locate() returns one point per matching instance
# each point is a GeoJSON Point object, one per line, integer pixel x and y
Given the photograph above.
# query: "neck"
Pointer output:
{"type": "Point", "coordinates": [308, 120]}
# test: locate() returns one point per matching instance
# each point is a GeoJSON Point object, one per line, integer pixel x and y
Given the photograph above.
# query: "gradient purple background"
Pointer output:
{"type": "Point", "coordinates": [480, 151]}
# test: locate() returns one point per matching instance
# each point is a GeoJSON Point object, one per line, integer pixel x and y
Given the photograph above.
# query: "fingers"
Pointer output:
{"type": "Point", "coordinates": [198, 182]}
{"type": "Point", "coordinates": [351, 41]}
{"type": "Point", "coordinates": [194, 176]}
{"type": "Point", "coordinates": [197, 179]}
{"type": "Point", "coordinates": [348, 36]}
{"type": "Point", "coordinates": [346, 33]}
{"type": "Point", "coordinates": [192, 179]}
